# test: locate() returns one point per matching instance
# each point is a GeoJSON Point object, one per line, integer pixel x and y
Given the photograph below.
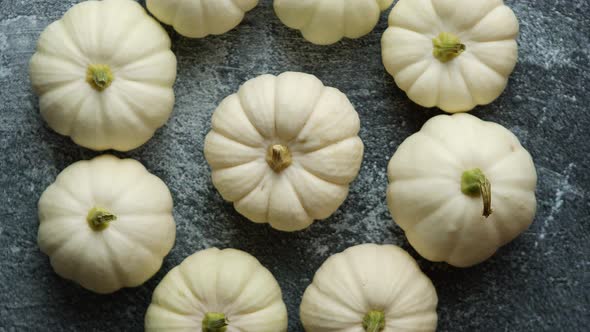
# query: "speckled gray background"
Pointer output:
{"type": "Point", "coordinates": [537, 283]}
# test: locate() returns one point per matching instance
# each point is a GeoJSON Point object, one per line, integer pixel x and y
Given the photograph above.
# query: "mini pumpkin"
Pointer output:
{"type": "Point", "coordinates": [106, 223]}
{"type": "Point", "coordinates": [452, 54]}
{"type": "Point", "coordinates": [104, 75]}
{"type": "Point", "coordinates": [370, 288]}
{"type": "Point", "coordinates": [326, 22]}
{"type": "Point", "coordinates": [461, 188]}
{"type": "Point", "coordinates": [284, 149]}
{"type": "Point", "coordinates": [218, 291]}
{"type": "Point", "coordinates": [200, 18]}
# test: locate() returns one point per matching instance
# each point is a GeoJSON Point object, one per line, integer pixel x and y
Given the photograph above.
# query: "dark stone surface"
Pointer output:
{"type": "Point", "coordinates": [537, 283]}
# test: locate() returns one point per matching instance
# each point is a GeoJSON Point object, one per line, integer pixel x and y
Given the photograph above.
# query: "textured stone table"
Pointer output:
{"type": "Point", "coordinates": [540, 282]}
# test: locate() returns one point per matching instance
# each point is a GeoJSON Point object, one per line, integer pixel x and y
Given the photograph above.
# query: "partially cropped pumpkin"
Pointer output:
{"type": "Point", "coordinates": [460, 188]}
{"type": "Point", "coordinates": [284, 149]}
{"type": "Point", "coordinates": [218, 291]}
{"type": "Point", "coordinates": [106, 223]}
{"type": "Point", "coordinates": [370, 288]}
{"type": "Point", "coordinates": [452, 54]}
{"type": "Point", "coordinates": [325, 22]}
{"type": "Point", "coordinates": [104, 75]}
{"type": "Point", "coordinates": [200, 18]}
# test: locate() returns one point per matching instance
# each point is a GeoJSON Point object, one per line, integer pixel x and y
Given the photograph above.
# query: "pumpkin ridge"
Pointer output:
{"type": "Point", "coordinates": [155, 81]}
{"type": "Point", "coordinates": [425, 57]}
{"type": "Point", "coordinates": [77, 106]}
{"type": "Point", "coordinates": [76, 117]}
{"type": "Point", "coordinates": [485, 64]}
{"type": "Point", "coordinates": [316, 149]}
{"type": "Point", "coordinates": [188, 285]}
{"type": "Point", "coordinates": [315, 8]}
{"type": "Point", "coordinates": [398, 26]}
{"type": "Point", "coordinates": [247, 162]}
{"type": "Point", "coordinates": [349, 265]}
{"type": "Point", "coordinates": [78, 267]}
{"type": "Point", "coordinates": [68, 34]}
{"type": "Point", "coordinates": [402, 275]}
{"type": "Point", "coordinates": [478, 20]}
{"type": "Point", "coordinates": [61, 62]}
{"type": "Point", "coordinates": [50, 251]}
{"type": "Point", "coordinates": [298, 195]}
{"type": "Point", "coordinates": [272, 182]}
{"type": "Point", "coordinates": [313, 173]}
{"type": "Point", "coordinates": [444, 203]}
{"type": "Point", "coordinates": [487, 13]}
{"type": "Point", "coordinates": [243, 109]}
{"type": "Point", "coordinates": [233, 2]}
{"type": "Point", "coordinates": [335, 299]}
{"type": "Point", "coordinates": [114, 263]}
{"type": "Point", "coordinates": [270, 303]}
{"type": "Point", "coordinates": [458, 163]}
{"type": "Point", "coordinates": [253, 187]}
{"type": "Point", "coordinates": [136, 110]}
{"type": "Point", "coordinates": [423, 312]}
{"type": "Point", "coordinates": [438, 16]}
{"type": "Point", "coordinates": [425, 63]}
{"type": "Point", "coordinates": [468, 84]}
{"type": "Point", "coordinates": [456, 237]}
{"type": "Point", "coordinates": [169, 310]}
{"type": "Point", "coordinates": [313, 110]}
{"type": "Point", "coordinates": [237, 313]}
{"type": "Point", "coordinates": [122, 39]}
{"type": "Point", "coordinates": [222, 134]}
{"type": "Point", "coordinates": [134, 240]}
{"type": "Point", "coordinates": [229, 309]}
{"type": "Point", "coordinates": [426, 68]}
{"type": "Point", "coordinates": [67, 190]}
{"type": "Point", "coordinates": [48, 87]}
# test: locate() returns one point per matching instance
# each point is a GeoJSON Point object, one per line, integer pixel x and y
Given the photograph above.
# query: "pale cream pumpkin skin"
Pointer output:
{"type": "Point", "coordinates": [218, 286]}
{"type": "Point", "coordinates": [426, 197]}
{"type": "Point", "coordinates": [370, 288]}
{"type": "Point", "coordinates": [200, 18]}
{"type": "Point", "coordinates": [284, 150]}
{"type": "Point", "coordinates": [325, 22]}
{"type": "Point", "coordinates": [104, 75]}
{"type": "Point", "coordinates": [451, 54]}
{"type": "Point", "coordinates": [106, 223]}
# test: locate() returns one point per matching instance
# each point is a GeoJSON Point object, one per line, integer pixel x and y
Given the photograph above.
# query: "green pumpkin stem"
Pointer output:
{"type": "Point", "coordinates": [475, 183]}
{"type": "Point", "coordinates": [447, 46]}
{"type": "Point", "coordinates": [278, 157]}
{"type": "Point", "coordinates": [99, 218]}
{"type": "Point", "coordinates": [374, 321]}
{"type": "Point", "coordinates": [99, 76]}
{"type": "Point", "coordinates": [214, 322]}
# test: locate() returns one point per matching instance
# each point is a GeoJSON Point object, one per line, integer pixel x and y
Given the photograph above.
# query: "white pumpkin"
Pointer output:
{"type": "Point", "coordinates": [218, 291]}
{"type": "Point", "coordinates": [200, 18]}
{"type": "Point", "coordinates": [452, 54]}
{"type": "Point", "coordinates": [460, 188]}
{"type": "Point", "coordinates": [104, 75]}
{"type": "Point", "coordinates": [325, 22]}
{"type": "Point", "coordinates": [106, 223]}
{"type": "Point", "coordinates": [370, 288]}
{"type": "Point", "coordinates": [284, 149]}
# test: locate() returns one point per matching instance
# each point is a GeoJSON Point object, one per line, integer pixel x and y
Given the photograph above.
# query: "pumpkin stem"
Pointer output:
{"type": "Point", "coordinates": [278, 157]}
{"type": "Point", "coordinates": [374, 321]}
{"type": "Point", "coordinates": [214, 322]}
{"type": "Point", "coordinates": [99, 76]}
{"type": "Point", "coordinates": [474, 183]}
{"type": "Point", "coordinates": [99, 218]}
{"type": "Point", "coordinates": [447, 46]}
